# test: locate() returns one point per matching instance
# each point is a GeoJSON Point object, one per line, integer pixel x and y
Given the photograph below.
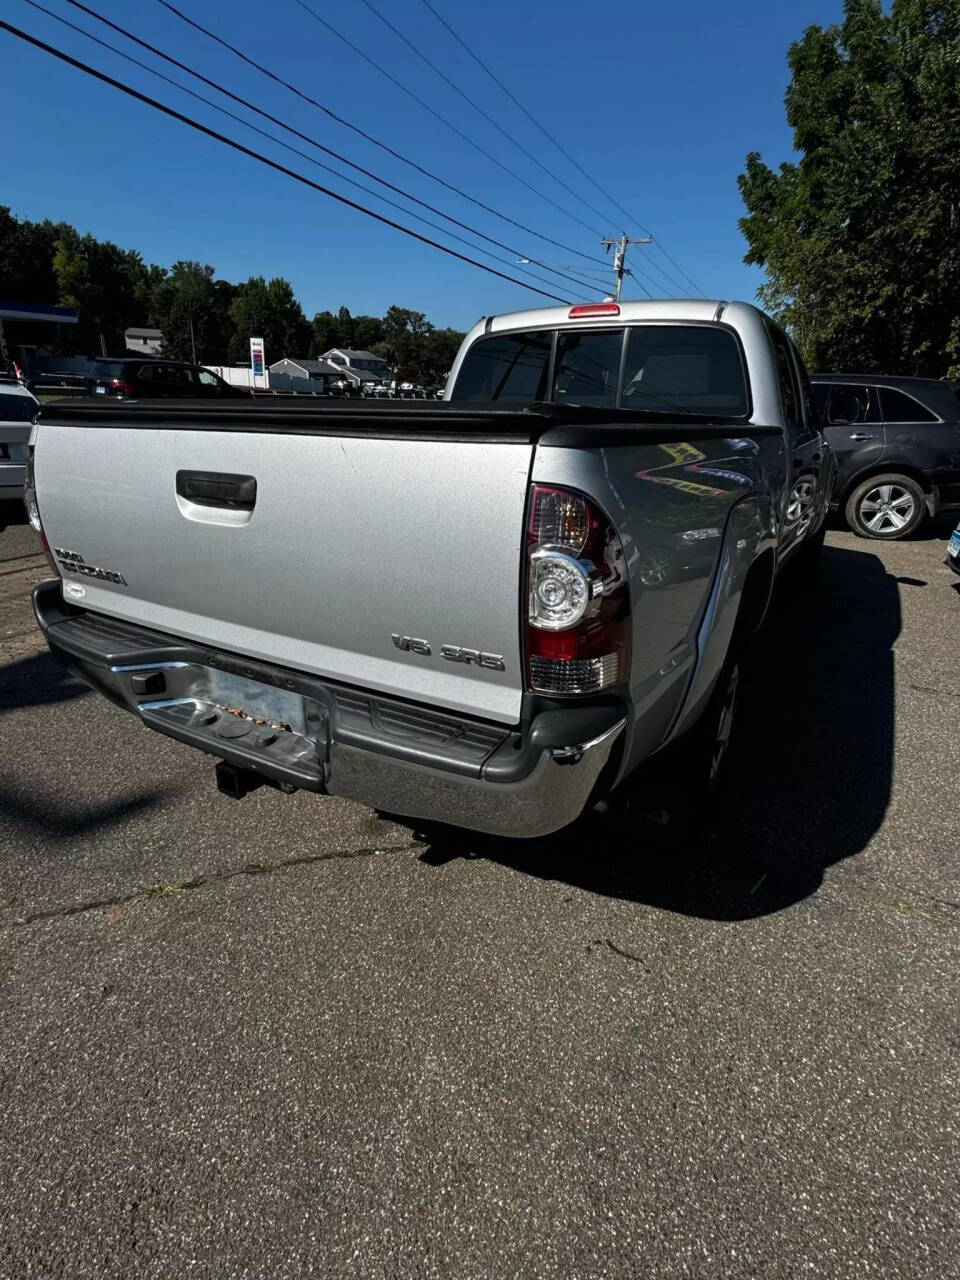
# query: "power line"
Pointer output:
{"type": "Point", "coordinates": [476, 106]}
{"type": "Point", "coordinates": [182, 66]}
{"type": "Point", "coordinates": [436, 114]}
{"type": "Point", "coordinates": [265, 160]}
{"type": "Point", "coordinates": [672, 281]}
{"type": "Point", "coordinates": [105, 44]}
{"type": "Point", "coordinates": [257, 66]}
{"type": "Point", "coordinates": [563, 151]}
{"type": "Point", "coordinates": [645, 274]}
{"type": "Point", "coordinates": [630, 272]}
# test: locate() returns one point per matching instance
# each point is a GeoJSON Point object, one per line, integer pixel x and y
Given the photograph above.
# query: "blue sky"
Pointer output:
{"type": "Point", "coordinates": [660, 102]}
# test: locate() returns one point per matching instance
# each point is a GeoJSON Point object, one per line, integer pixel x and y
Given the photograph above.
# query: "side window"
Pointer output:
{"type": "Point", "coordinates": [588, 367]}
{"type": "Point", "coordinates": [179, 381]}
{"type": "Point", "coordinates": [208, 379]}
{"type": "Point", "coordinates": [787, 378]}
{"type": "Point", "coordinates": [509, 366]}
{"type": "Point", "coordinates": [849, 405]}
{"type": "Point", "coordinates": [898, 407]}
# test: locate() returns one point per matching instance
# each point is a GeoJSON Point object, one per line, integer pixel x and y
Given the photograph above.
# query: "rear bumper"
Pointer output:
{"type": "Point", "coordinates": [396, 756]}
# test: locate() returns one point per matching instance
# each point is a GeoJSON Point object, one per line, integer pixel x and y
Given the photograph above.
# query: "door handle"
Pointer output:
{"type": "Point", "coordinates": [862, 435]}
{"type": "Point", "coordinates": [218, 489]}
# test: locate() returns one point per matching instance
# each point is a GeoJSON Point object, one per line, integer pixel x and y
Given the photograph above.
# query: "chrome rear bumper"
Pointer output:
{"type": "Point", "coordinates": [304, 732]}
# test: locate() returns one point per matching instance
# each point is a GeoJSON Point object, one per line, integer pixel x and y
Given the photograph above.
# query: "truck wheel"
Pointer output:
{"type": "Point", "coordinates": [887, 506]}
{"type": "Point", "coordinates": [687, 789]}
{"type": "Point", "coordinates": [802, 572]}
{"type": "Point", "coordinates": [714, 737]}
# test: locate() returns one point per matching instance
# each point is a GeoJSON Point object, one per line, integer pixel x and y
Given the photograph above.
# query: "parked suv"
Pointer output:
{"type": "Point", "coordinates": [897, 442]}
{"type": "Point", "coordinates": [133, 377]}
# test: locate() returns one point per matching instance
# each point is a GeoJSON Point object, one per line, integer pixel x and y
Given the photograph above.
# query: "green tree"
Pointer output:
{"type": "Point", "coordinates": [108, 286]}
{"type": "Point", "coordinates": [404, 340]}
{"type": "Point", "coordinates": [26, 258]}
{"type": "Point", "coordinates": [439, 352]}
{"type": "Point", "coordinates": [367, 332]}
{"type": "Point", "coordinates": [269, 311]}
{"type": "Point", "coordinates": [860, 238]}
{"type": "Point", "coordinates": [326, 332]}
{"type": "Point", "coordinates": [181, 303]}
{"type": "Point", "coordinates": [192, 310]}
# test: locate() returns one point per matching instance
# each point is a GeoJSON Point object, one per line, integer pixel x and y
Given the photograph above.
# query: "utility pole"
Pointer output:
{"type": "Point", "coordinates": [619, 248]}
{"type": "Point", "coordinates": [193, 345]}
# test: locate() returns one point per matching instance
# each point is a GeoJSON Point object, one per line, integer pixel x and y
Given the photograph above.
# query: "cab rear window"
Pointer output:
{"type": "Point", "coordinates": [684, 369]}
{"type": "Point", "coordinates": [510, 367]}
{"type": "Point", "coordinates": [695, 369]}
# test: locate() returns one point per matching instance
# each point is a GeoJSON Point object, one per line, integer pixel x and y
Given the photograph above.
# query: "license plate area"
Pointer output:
{"type": "Point", "coordinates": [249, 699]}
{"type": "Point", "coordinates": [257, 726]}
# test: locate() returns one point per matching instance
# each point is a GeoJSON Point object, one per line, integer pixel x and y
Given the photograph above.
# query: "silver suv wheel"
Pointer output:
{"type": "Point", "coordinates": [887, 508]}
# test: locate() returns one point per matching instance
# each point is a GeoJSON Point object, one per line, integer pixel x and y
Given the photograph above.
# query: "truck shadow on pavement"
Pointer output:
{"type": "Point", "coordinates": [813, 782]}
{"type": "Point", "coordinates": [40, 681]}
{"type": "Point", "coordinates": [52, 820]}
{"type": "Point", "coordinates": [37, 681]}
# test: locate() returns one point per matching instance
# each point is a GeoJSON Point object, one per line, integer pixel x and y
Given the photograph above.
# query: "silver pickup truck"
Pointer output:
{"type": "Point", "coordinates": [489, 611]}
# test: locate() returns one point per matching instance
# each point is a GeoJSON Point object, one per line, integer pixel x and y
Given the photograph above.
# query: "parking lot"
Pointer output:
{"type": "Point", "coordinates": [284, 1036]}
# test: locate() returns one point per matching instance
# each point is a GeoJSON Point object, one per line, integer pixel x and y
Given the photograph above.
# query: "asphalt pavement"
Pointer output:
{"type": "Point", "coordinates": [284, 1036]}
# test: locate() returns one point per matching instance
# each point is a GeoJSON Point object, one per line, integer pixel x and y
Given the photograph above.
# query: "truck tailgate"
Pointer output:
{"type": "Point", "coordinates": [350, 541]}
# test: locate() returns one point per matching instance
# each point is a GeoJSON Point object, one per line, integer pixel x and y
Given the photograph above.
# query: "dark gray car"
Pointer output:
{"type": "Point", "coordinates": [897, 444]}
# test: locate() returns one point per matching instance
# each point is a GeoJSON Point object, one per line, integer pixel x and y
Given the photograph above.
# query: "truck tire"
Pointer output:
{"type": "Point", "coordinates": [801, 575]}
{"type": "Point", "coordinates": [887, 507]}
{"type": "Point", "coordinates": [687, 790]}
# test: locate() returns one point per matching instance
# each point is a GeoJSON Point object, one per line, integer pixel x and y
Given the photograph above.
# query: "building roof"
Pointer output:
{"type": "Point", "coordinates": [37, 311]}
{"type": "Point", "coordinates": [353, 355]}
{"type": "Point", "coordinates": [308, 366]}
{"type": "Point", "coordinates": [154, 335]}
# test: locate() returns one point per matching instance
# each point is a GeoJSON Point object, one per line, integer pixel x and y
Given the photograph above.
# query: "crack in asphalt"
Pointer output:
{"type": "Point", "coordinates": [921, 907]}
{"type": "Point", "coordinates": [940, 693]}
{"type": "Point", "coordinates": [200, 882]}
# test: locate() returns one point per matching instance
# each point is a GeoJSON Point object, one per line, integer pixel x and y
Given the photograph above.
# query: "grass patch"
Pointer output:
{"type": "Point", "coordinates": [160, 890]}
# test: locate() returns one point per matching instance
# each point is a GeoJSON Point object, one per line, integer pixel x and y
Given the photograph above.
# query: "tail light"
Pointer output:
{"type": "Point", "coordinates": [120, 388]}
{"type": "Point", "coordinates": [577, 596]}
{"type": "Point", "coordinates": [30, 494]}
{"type": "Point", "coordinates": [33, 510]}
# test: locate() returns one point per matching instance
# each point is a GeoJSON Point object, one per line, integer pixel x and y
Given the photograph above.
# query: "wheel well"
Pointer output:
{"type": "Point", "coordinates": [880, 469]}
{"type": "Point", "coordinates": [757, 589]}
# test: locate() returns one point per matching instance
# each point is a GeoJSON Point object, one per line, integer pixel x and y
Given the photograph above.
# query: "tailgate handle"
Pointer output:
{"type": "Point", "coordinates": [218, 489]}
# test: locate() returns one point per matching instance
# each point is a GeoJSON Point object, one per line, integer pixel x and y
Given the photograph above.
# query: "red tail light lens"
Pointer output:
{"type": "Point", "coordinates": [577, 596]}
{"type": "Point", "coordinates": [121, 388]}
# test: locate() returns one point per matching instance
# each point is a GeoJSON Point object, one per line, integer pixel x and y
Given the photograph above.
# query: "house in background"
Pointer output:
{"type": "Point", "coordinates": [358, 366]}
{"type": "Point", "coordinates": [303, 374]}
{"type": "Point", "coordinates": [143, 342]}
